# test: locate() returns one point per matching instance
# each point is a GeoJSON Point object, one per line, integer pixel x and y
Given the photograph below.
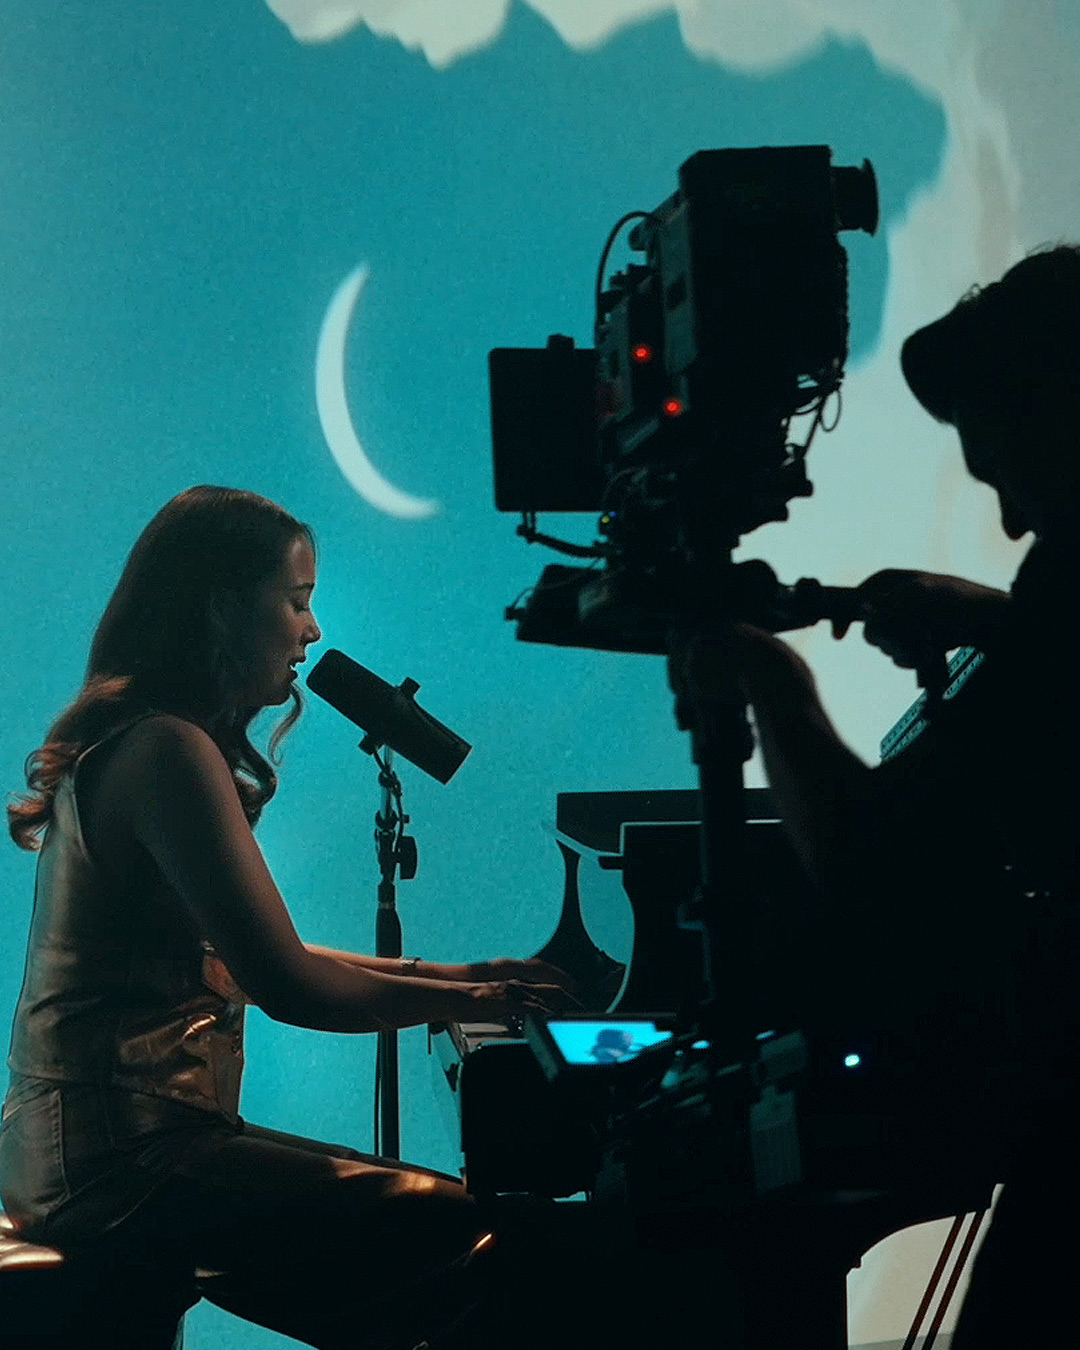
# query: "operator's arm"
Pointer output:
{"type": "Point", "coordinates": [820, 785]}
{"type": "Point", "coordinates": [176, 796]}
{"type": "Point", "coordinates": [818, 782]}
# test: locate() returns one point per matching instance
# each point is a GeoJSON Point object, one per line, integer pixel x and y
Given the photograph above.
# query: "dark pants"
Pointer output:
{"type": "Point", "coordinates": [316, 1241]}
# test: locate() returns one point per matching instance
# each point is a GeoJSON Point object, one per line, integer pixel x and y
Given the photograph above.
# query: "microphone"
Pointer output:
{"type": "Point", "coordinates": [388, 715]}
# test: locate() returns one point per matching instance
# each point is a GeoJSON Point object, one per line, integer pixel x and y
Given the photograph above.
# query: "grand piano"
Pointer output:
{"type": "Point", "coordinates": [885, 1134]}
{"type": "Point", "coordinates": [519, 1133]}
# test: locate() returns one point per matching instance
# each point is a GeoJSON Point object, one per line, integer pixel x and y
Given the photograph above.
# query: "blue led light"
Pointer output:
{"type": "Point", "coordinates": [852, 1061]}
{"type": "Point", "coordinates": [700, 1045]}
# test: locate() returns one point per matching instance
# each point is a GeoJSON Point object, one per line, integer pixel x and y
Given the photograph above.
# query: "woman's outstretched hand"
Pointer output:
{"type": "Point", "coordinates": [527, 970]}
{"type": "Point", "coordinates": [508, 988]}
{"type": "Point", "coordinates": [511, 1000]}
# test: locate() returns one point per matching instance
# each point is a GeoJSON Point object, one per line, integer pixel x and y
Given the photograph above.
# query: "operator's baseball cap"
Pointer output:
{"type": "Point", "coordinates": [988, 347]}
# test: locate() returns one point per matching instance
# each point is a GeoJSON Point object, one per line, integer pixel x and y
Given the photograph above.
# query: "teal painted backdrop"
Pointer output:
{"type": "Point", "coordinates": [182, 190]}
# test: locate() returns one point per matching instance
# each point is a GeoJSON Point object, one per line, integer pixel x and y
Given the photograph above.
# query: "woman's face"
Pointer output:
{"type": "Point", "coordinates": [283, 626]}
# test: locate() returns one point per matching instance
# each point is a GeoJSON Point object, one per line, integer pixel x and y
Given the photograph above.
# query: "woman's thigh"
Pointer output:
{"type": "Point", "coordinates": [261, 1195]}
{"type": "Point", "coordinates": [318, 1241]}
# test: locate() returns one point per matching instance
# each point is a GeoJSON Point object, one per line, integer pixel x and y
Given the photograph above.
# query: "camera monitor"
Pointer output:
{"type": "Point", "coordinates": [587, 1044]}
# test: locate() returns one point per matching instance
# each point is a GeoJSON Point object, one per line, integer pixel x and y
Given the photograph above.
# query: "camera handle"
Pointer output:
{"type": "Point", "coordinates": [760, 598]}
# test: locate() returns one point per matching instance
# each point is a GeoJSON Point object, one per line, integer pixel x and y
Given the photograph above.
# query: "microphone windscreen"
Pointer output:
{"type": "Point", "coordinates": [389, 716]}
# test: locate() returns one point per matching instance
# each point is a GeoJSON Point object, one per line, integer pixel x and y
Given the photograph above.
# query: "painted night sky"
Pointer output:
{"type": "Point", "coordinates": [185, 187]}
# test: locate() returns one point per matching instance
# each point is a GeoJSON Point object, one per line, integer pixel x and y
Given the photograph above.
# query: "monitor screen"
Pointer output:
{"type": "Point", "coordinates": [605, 1042]}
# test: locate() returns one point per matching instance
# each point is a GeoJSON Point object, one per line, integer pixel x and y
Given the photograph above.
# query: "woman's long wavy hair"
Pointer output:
{"type": "Point", "coordinates": [173, 638]}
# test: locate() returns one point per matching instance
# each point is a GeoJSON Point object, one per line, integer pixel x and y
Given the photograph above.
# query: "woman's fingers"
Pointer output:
{"type": "Point", "coordinates": [529, 970]}
{"type": "Point", "coordinates": [530, 997]}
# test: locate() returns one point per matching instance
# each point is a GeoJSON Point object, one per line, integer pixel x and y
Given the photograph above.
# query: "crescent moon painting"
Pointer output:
{"type": "Point", "coordinates": [333, 406]}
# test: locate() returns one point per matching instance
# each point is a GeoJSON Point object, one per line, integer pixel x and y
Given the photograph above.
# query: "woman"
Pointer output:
{"type": "Point", "coordinates": [154, 908]}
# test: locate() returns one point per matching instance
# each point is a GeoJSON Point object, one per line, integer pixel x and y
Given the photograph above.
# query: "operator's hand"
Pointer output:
{"type": "Point", "coordinates": [911, 615]}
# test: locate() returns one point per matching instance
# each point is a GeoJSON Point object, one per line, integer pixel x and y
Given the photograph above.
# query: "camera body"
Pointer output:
{"type": "Point", "coordinates": [676, 426]}
{"type": "Point", "coordinates": [736, 321]}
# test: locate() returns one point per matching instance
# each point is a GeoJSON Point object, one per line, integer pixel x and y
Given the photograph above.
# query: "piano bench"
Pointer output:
{"type": "Point", "coordinates": [49, 1301]}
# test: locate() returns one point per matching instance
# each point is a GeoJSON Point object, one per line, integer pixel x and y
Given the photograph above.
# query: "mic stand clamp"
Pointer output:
{"type": "Point", "coordinates": [396, 851]}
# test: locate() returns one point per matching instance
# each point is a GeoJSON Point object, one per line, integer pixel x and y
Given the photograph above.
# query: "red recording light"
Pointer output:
{"type": "Point", "coordinates": [674, 407]}
{"type": "Point", "coordinates": [642, 353]}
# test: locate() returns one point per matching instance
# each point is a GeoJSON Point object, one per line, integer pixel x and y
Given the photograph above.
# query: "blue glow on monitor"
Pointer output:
{"type": "Point", "coordinates": [852, 1061]}
{"type": "Point", "coordinates": [603, 1042]}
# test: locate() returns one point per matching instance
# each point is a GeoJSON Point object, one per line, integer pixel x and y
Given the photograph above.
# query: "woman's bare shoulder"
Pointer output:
{"type": "Point", "coordinates": [163, 729]}
{"type": "Point", "coordinates": [167, 733]}
{"type": "Point", "coordinates": [163, 746]}
{"type": "Point", "coordinates": [158, 763]}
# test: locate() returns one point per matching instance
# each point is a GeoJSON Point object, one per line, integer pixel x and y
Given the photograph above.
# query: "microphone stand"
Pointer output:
{"type": "Point", "coordinates": [395, 850]}
{"type": "Point", "coordinates": [391, 719]}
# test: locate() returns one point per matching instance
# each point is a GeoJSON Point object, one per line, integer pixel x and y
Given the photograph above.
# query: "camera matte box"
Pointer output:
{"type": "Point", "coordinates": [543, 428]}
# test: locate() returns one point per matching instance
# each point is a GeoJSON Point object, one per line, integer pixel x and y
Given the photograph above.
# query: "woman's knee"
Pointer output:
{"type": "Point", "coordinates": [440, 1207]}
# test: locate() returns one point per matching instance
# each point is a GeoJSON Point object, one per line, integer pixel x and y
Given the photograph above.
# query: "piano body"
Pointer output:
{"type": "Point", "coordinates": [520, 1133]}
{"type": "Point", "coordinates": [880, 1149]}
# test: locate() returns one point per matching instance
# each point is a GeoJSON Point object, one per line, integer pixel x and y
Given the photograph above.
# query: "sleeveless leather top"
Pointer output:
{"type": "Point", "coordinates": [114, 992]}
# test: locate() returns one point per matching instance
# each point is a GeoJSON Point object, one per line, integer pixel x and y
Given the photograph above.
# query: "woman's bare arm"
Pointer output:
{"type": "Point", "coordinates": [528, 969]}
{"type": "Point", "coordinates": [392, 965]}
{"type": "Point", "coordinates": [172, 788]}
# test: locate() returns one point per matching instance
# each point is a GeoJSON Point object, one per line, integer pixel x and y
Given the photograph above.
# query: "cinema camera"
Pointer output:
{"type": "Point", "coordinates": [716, 361]}
{"type": "Point", "coordinates": [678, 427]}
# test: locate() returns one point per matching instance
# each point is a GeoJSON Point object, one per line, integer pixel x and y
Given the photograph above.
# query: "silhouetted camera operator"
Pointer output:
{"type": "Point", "coordinates": [948, 875]}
